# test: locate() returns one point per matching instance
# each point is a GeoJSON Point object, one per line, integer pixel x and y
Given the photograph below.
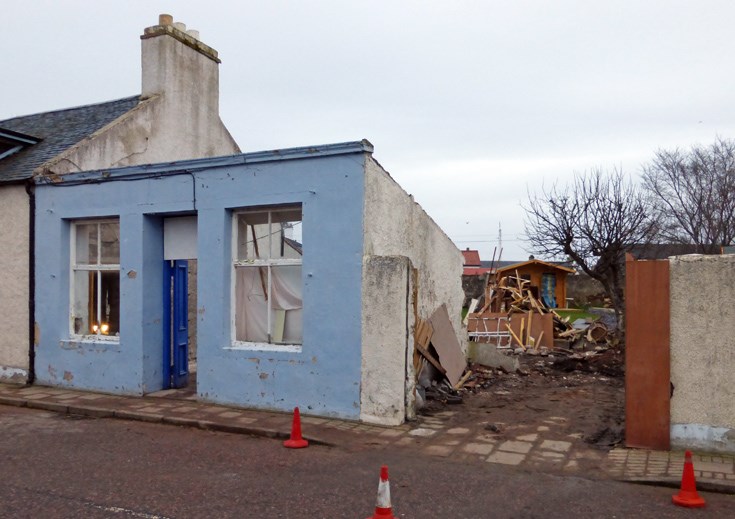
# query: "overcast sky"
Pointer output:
{"type": "Point", "coordinates": [468, 103]}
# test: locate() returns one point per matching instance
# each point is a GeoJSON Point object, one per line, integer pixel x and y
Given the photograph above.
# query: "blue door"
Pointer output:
{"type": "Point", "coordinates": [548, 290]}
{"type": "Point", "coordinates": [176, 324]}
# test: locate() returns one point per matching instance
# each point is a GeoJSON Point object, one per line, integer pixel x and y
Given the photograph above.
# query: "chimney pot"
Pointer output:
{"type": "Point", "coordinates": [180, 26]}
{"type": "Point", "coordinates": [165, 19]}
{"type": "Point", "coordinates": [193, 33]}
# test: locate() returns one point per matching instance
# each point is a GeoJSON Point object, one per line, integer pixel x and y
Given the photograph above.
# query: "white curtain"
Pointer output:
{"type": "Point", "coordinates": [251, 320]}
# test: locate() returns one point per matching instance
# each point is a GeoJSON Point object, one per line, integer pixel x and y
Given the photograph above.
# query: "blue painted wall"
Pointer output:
{"type": "Point", "coordinates": [324, 378]}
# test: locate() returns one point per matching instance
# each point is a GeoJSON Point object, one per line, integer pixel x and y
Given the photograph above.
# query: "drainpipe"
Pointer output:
{"type": "Point", "coordinates": [30, 189]}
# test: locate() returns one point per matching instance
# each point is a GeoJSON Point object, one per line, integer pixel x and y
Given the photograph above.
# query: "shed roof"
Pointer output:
{"type": "Point", "coordinates": [56, 131]}
{"type": "Point", "coordinates": [536, 262]}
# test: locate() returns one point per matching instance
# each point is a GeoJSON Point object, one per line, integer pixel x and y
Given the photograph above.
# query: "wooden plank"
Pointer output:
{"type": "Point", "coordinates": [447, 345]}
{"type": "Point", "coordinates": [530, 321]}
{"type": "Point", "coordinates": [428, 356]}
{"type": "Point", "coordinates": [423, 334]}
{"type": "Point", "coordinates": [537, 342]}
{"type": "Point", "coordinates": [543, 330]}
{"type": "Point", "coordinates": [471, 310]}
{"type": "Point", "coordinates": [520, 333]}
{"type": "Point", "coordinates": [461, 382]}
{"type": "Point", "coordinates": [514, 335]}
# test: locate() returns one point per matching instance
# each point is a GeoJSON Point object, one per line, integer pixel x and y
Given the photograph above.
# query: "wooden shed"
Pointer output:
{"type": "Point", "coordinates": [548, 280]}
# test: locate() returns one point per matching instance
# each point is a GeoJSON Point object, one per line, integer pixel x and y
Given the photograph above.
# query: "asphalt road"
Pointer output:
{"type": "Point", "coordinates": [54, 466]}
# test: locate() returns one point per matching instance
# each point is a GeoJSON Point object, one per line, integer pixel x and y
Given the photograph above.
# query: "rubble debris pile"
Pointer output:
{"type": "Point", "coordinates": [438, 360]}
{"type": "Point", "coordinates": [512, 317]}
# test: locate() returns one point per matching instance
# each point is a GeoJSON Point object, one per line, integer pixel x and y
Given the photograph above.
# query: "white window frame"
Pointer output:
{"type": "Point", "coordinates": [268, 263]}
{"type": "Point", "coordinates": [98, 268]}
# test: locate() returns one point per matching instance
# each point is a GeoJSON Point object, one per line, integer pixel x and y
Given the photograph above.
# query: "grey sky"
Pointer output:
{"type": "Point", "coordinates": [466, 102]}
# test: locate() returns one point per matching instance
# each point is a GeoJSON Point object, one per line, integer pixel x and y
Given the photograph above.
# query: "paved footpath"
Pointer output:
{"type": "Point", "coordinates": [548, 447]}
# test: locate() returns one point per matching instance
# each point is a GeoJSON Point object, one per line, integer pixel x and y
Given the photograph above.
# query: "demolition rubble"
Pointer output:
{"type": "Point", "coordinates": [510, 331]}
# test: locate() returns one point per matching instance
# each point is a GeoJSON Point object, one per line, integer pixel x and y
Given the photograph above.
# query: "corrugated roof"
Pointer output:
{"type": "Point", "coordinates": [58, 130]}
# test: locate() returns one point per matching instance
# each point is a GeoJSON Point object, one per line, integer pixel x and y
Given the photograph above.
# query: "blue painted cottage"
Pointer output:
{"type": "Point", "coordinates": [312, 266]}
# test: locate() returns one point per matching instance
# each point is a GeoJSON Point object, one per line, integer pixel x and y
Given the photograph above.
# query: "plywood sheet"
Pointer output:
{"type": "Point", "coordinates": [539, 323]}
{"type": "Point", "coordinates": [446, 344]}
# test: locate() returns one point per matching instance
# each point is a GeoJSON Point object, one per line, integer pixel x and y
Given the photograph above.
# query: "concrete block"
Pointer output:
{"type": "Point", "coordinates": [488, 355]}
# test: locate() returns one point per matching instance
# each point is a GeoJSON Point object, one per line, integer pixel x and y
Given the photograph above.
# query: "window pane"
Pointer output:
{"type": "Point", "coordinates": [83, 311]}
{"type": "Point", "coordinates": [86, 320]}
{"type": "Point", "coordinates": [110, 307]}
{"type": "Point", "coordinates": [286, 231]}
{"type": "Point", "coordinates": [281, 239]}
{"type": "Point", "coordinates": [286, 304]}
{"type": "Point", "coordinates": [251, 314]}
{"type": "Point", "coordinates": [110, 233]}
{"type": "Point", "coordinates": [86, 244]}
{"type": "Point", "coordinates": [253, 234]}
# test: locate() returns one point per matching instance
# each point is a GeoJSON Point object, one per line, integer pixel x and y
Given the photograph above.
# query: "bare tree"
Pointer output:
{"type": "Point", "coordinates": [593, 221]}
{"type": "Point", "coordinates": [692, 194]}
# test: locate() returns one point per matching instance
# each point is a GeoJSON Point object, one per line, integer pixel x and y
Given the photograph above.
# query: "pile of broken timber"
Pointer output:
{"type": "Point", "coordinates": [512, 317]}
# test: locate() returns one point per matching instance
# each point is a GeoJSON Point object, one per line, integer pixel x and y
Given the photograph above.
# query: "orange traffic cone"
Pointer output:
{"type": "Point", "coordinates": [688, 496]}
{"type": "Point", "coordinates": [383, 508]}
{"type": "Point", "coordinates": [296, 441]}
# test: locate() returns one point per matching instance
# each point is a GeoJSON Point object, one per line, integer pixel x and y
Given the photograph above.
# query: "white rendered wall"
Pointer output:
{"type": "Point", "coordinates": [384, 339]}
{"type": "Point", "coordinates": [178, 118]}
{"type": "Point", "coordinates": [14, 236]}
{"type": "Point", "coordinates": [703, 352]}
{"type": "Point", "coordinates": [395, 225]}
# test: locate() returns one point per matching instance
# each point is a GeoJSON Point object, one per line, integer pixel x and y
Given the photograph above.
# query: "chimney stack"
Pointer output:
{"type": "Point", "coordinates": [174, 59]}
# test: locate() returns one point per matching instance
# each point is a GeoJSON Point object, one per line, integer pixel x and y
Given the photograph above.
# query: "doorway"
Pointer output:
{"type": "Point", "coordinates": [179, 307]}
{"type": "Point", "coordinates": [176, 324]}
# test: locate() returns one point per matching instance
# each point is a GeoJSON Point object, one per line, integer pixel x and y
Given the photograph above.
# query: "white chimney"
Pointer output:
{"type": "Point", "coordinates": [177, 64]}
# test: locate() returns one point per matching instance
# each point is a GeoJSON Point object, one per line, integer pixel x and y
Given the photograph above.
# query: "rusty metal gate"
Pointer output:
{"type": "Point", "coordinates": [647, 368]}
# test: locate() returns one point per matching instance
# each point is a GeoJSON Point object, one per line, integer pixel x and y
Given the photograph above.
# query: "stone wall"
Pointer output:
{"type": "Point", "coordinates": [473, 288]}
{"type": "Point", "coordinates": [583, 291]}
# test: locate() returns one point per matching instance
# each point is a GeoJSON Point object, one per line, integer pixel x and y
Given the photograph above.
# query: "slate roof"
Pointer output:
{"type": "Point", "coordinates": [58, 131]}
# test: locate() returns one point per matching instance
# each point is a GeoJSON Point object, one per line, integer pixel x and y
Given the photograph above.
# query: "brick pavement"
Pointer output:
{"type": "Point", "coordinates": [544, 448]}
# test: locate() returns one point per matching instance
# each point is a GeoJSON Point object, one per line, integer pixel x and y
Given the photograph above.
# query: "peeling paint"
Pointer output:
{"type": "Point", "coordinates": [132, 274]}
{"type": "Point", "coordinates": [13, 375]}
{"type": "Point", "coordinates": [36, 334]}
{"type": "Point", "coordinates": [68, 376]}
{"type": "Point", "coordinates": [263, 376]}
{"type": "Point", "coordinates": [52, 371]}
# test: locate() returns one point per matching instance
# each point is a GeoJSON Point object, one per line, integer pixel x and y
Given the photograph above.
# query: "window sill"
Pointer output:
{"type": "Point", "coordinates": [90, 342]}
{"type": "Point", "coordinates": [264, 346]}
